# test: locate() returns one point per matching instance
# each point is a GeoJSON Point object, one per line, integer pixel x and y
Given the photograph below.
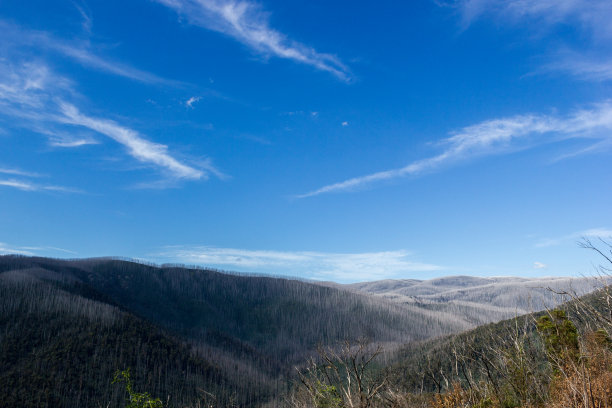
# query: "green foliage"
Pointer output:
{"type": "Point", "coordinates": [560, 337]}
{"type": "Point", "coordinates": [327, 396]}
{"type": "Point", "coordinates": [135, 399]}
{"type": "Point", "coordinates": [602, 338]}
{"type": "Point", "coordinates": [484, 403]}
{"type": "Point", "coordinates": [508, 402]}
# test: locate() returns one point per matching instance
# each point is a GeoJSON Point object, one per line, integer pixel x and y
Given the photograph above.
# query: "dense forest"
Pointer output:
{"type": "Point", "coordinates": [195, 337]}
{"type": "Point", "coordinates": [61, 349]}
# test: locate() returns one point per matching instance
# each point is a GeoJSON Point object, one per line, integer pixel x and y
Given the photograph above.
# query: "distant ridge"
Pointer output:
{"type": "Point", "coordinates": [476, 300]}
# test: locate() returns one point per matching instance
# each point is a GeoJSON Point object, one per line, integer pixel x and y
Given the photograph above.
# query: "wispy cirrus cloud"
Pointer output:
{"type": "Point", "coordinates": [585, 67]}
{"type": "Point", "coordinates": [25, 185]}
{"type": "Point", "coordinates": [65, 139]}
{"type": "Point", "coordinates": [86, 19]}
{"type": "Point", "coordinates": [496, 136]}
{"type": "Point", "coordinates": [592, 16]}
{"type": "Point", "coordinates": [87, 57]}
{"type": "Point", "coordinates": [32, 93]}
{"type": "Point", "coordinates": [603, 233]}
{"type": "Point", "coordinates": [340, 267]}
{"type": "Point", "coordinates": [72, 141]}
{"type": "Point", "coordinates": [18, 172]}
{"type": "Point", "coordinates": [246, 22]}
{"type": "Point", "coordinates": [138, 147]}
{"type": "Point", "coordinates": [20, 185]}
{"type": "Point", "coordinates": [6, 249]}
{"type": "Point", "coordinates": [82, 52]}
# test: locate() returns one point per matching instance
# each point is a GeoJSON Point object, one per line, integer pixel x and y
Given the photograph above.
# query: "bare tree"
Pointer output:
{"type": "Point", "coordinates": [342, 377]}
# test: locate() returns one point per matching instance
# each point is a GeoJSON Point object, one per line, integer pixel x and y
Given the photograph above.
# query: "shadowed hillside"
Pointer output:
{"type": "Point", "coordinates": [66, 326]}
{"type": "Point", "coordinates": [182, 330]}
{"type": "Point", "coordinates": [61, 349]}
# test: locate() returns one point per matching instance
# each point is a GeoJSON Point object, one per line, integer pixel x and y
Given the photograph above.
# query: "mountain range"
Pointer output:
{"type": "Point", "coordinates": [477, 300]}
{"type": "Point", "coordinates": [194, 334]}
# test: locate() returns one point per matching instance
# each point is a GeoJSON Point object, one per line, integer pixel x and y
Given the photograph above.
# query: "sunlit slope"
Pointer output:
{"type": "Point", "coordinates": [476, 300]}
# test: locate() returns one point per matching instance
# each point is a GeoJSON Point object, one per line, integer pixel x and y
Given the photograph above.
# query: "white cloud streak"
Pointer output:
{"type": "Point", "coordinates": [340, 267]}
{"type": "Point", "coordinates": [139, 148]}
{"type": "Point", "coordinates": [581, 66]}
{"type": "Point", "coordinates": [80, 52]}
{"type": "Point", "coordinates": [6, 249]}
{"type": "Point", "coordinates": [87, 21]}
{"type": "Point", "coordinates": [20, 185]}
{"type": "Point", "coordinates": [71, 142]}
{"type": "Point", "coordinates": [590, 17]}
{"type": "Point", "coordinates": [87, 58]}
{"type": "Point", "coordinates": [32, 93]}
{"type": "Point", "coordinates": [29, 186]}
{"type": "Point", "coordinates": [63, 139]}
{"type": "Point", "coordinates": [495, 136]}
{"type": "Point", "coordinates": [539, 265]}
{"type": "Point", "coordinates": [593, 16]}
{"type": "Point", "coordinates": [18, 172]}
{"type": "Point", "coordinates": [26, 185]}
{"type": "Point", "coordinates": [247, 23]}
{"type": "Point", "coordinates": [603, 233]}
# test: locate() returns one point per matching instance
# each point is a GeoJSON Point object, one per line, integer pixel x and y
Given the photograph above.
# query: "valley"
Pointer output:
{"type": "Point", "coordinates": [192, 333]}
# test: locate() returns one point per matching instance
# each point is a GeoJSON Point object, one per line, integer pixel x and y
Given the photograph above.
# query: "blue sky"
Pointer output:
{"type": "Point", "coordinates": [341, 141]}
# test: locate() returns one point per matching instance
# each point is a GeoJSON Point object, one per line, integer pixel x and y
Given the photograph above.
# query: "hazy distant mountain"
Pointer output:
{"type": "Point", "coordinates": [475, 300]}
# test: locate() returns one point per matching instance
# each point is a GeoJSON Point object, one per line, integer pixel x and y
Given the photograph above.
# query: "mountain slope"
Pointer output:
{"type": "Point", "coordinates": [60, 349]}
{"type": "Point", "coordinates": [65, 326]}
{"type": "Point", "coordinates": [432, 365]}
{"type": "Point", "coordinates": [236, 337]}
{"type": "Point", "coordinates": [473, 300]}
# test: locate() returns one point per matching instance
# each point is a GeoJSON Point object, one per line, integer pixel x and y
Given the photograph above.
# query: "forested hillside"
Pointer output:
{"type": "Point", "coordinates": [196, 335]}
{"type": "Point", "coordinates": [61, 349]}
{"type": "Point", "coordinates": [66, 325]}
{"type": "Point", "coordinates": [559, 358]}
{"type": "Point", "coordinates": [431, 365]}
